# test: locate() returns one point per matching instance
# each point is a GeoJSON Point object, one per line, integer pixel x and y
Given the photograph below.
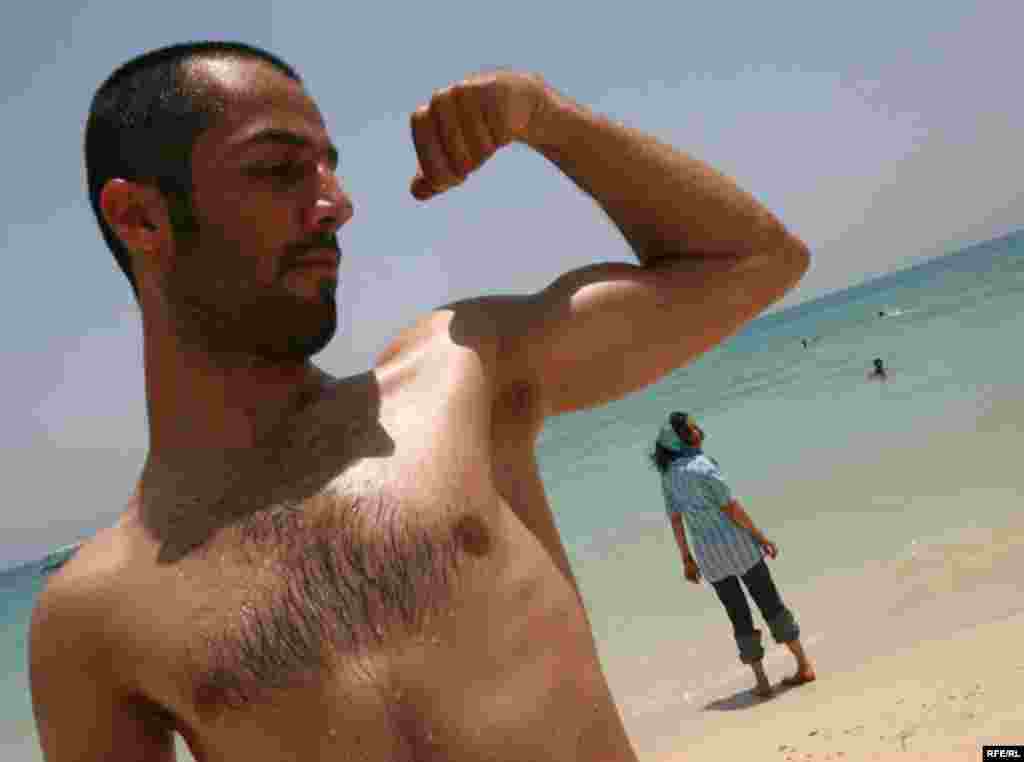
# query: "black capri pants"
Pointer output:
{"type": "Point", "coordinates": [759, 583]}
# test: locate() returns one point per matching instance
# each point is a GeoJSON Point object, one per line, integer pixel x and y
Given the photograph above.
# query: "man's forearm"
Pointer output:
{"type": "Point", "coordinates": [665, 202]}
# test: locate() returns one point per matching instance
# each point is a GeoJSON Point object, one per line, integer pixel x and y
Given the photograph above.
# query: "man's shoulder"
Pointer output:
{"type": "Point", "coordinates": [80, 596]}
{"type": "Point", "coordinates": [470, 324]}
{"type": "Point", "coordinates": [84, 688]}
{"type": "Point", "coordinates": [474, 334]}
{"type": "Point", "coordinates": [468, 346]}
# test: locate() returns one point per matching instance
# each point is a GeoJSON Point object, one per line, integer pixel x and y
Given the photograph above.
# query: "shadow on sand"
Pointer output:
{"type": "Point", "coordinates": [745, 699]}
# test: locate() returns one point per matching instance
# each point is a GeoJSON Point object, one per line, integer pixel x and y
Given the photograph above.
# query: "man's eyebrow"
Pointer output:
{"type": "Point", "coordinates": [286, 137]}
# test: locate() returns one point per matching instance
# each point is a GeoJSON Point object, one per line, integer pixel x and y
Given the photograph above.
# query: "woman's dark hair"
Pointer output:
{"type": "Point", "coordinates": [144, 120]}
{"type": "Point", "coordinates": [662, 457]}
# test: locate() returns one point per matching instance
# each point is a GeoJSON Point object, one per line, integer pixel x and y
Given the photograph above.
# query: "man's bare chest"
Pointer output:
{"type": "Point", "coordinates": [276, 597]}
{"type": "Point", "coordinates": [340, 548]}
{"type": "Point", "coordinates": [381, 606]}
{"type": "Point", "coordinates": [357, 599]}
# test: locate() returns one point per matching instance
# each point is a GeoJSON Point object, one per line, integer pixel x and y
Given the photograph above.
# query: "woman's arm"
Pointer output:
{"type": "Point", "coordinates": [689, 562]}
{"type": "Point", "coordinates": [680, 532]}
{"type": "Point", "coordinates": [740, 517]}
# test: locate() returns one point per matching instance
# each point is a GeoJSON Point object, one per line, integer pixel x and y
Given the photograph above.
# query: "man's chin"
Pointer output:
{"type": "Point", "coordinates": [296, 331]}
{"type": "Point", "coordinates": [308, 288]}
{"type": "Point", "coordinates": [313, 341]}
{"type": "Point", "coordinates": [318, 343]}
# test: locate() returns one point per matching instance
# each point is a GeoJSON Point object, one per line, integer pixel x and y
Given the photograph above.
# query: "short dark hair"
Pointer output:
{"type": "Point", "coordinates": [144, 121]}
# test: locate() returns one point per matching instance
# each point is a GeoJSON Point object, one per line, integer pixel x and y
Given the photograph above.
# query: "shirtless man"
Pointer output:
{"type": "Point", "coordinates": [363, 568]}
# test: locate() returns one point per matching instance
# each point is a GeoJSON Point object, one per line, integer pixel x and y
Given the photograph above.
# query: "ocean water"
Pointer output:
{"type": "Point", "coordinates": [894, 504]}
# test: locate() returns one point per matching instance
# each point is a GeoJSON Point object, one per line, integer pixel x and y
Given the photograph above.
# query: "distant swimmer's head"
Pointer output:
{"type": "Point", "coordinates": [878, 364]}
{"type": "Point", "coordinates": [212, 177]}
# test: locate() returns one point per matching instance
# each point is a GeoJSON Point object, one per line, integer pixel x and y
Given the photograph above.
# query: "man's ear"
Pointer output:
{"type": "Point", "coordinates": [137, 213]}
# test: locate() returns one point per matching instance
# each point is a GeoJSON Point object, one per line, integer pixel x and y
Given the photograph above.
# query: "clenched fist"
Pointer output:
{"type": "Point", "coordinates": [465, 123]}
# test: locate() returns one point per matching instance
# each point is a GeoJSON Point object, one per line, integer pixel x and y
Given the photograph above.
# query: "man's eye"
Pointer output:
{"type": "Point", "coordinates": [282, 172]}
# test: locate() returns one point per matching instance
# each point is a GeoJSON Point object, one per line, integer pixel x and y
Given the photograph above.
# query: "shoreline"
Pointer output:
{"type": "Point", "coordinates": [941, 699]}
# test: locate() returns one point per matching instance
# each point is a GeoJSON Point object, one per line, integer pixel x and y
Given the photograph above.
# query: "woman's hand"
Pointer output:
{"type": "Point", "coordinates": [691, 570]}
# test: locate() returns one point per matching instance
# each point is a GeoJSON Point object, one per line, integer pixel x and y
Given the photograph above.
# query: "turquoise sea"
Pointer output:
{"type": "Point", "coordinates": [894, 504]}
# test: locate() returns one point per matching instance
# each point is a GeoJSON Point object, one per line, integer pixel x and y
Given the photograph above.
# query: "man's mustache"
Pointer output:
{"type": "Point", "coordinates": [296, 252]}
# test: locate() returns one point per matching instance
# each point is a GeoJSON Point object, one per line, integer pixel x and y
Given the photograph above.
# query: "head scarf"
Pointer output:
{"type": "Point", "coordinates": [669, 439]}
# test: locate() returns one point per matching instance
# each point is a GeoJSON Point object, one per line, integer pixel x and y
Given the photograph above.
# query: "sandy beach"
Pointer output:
{"type": "Point", "coordinates": [939, 700]}
{"type": "Point", "coordinates": [918, 658]}
{"type": "Point", "coordinates": [918, 649]}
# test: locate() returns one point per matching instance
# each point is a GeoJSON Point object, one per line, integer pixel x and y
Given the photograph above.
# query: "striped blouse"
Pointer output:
{"type": "Point", "coordinates": [694, 486]}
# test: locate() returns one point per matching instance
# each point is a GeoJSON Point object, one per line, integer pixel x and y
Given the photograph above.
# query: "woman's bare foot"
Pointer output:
{"type": "Point", "coordinates": [764, 690]}
{"type": "Point", "coordinates": [800, 677]}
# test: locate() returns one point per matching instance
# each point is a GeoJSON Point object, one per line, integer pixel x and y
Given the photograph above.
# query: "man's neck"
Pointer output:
{"type": "Point", "coordinates": [196, 403]}
{"type": "Point", "coordinates": [191, 486]}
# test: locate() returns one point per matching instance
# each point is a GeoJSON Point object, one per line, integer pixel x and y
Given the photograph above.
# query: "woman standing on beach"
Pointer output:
{"type": "Point", "coordinates": [724, 546]}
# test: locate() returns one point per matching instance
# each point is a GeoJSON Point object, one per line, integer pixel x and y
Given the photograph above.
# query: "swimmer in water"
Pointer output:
{"type": "Point", "coordinates": [879, 373]}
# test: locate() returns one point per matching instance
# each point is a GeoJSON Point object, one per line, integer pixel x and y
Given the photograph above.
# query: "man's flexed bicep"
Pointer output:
{"type": "Point", "coordinates": [603, 331]}
{"type": "Point", "coordinates": [711, 256]}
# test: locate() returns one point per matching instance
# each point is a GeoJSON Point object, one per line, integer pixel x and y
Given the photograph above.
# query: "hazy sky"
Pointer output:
{"type": "Point", "coordinates": [880, 132]}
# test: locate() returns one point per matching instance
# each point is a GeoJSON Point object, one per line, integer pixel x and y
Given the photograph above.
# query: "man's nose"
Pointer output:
{"type": "Point", "coordinates": [332, 207]}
